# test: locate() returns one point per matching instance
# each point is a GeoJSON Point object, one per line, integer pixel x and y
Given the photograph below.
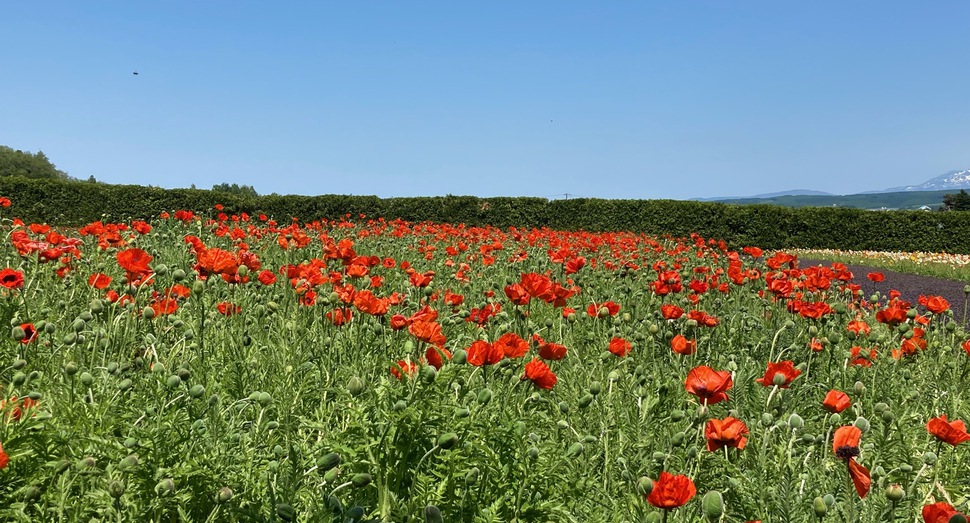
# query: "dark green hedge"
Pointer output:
{"type": "Point", "coordinates": [77, 203]}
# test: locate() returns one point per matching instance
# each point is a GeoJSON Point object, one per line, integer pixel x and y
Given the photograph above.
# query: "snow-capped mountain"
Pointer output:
{"type": "Point", "coordinates": [944, 182]}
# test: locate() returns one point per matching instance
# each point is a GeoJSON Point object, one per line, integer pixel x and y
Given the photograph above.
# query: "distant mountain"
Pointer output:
{"type": "Point", "coordinates": [793, 192]}
{"type": "Point", "coordinates": [951, 181]}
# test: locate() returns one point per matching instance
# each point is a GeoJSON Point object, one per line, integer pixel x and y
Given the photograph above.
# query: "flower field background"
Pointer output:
{"type": "Point", "coordinates": [230, 368]}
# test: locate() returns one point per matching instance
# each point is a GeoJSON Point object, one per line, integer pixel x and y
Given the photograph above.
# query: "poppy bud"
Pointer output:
{"type": "Point", "coordinates": [116, 489]}
{"type": "Point", "coordinates": [224, 495]}
{"type": "Point", "coordinates": [595, 388]}
{"type": "Point", "coordinates": [129, 462]}
{"type": "Point", "coordinates": [795, 421]}
{"type": "Point", "coordinates": [562, 424]}
{"type": "Point", "coordinates": [533, 453]}
{"type": "Point", "coordinates": [18, 333]}
{"type": "Point", "coordinates": [460, 357]}
{"type": "Point", "coordinates": [820, 507]}
{"type": "Point", "coordinates": [677, 415]}
{"type": "Point", "coordinates": [428, 374]}
{"type": "Point", "coordinates": [484, 396]}
{"type": "Point", "coordinates": [836, 418]}
{"type": "Point", "coordinates": [172, 381]}
{"type": "Point", "coordinates": [264, 399]}
{"type": "Point", "coordinates": [585, 401]}
{"type": "Point", "coordinates": [644, 486]}
{"type": "Point", "coordinates": [462, 413]}
{"type": "Point", "coordinates": [124, 385]}
{"type": "Point", "coordinates": [148, 313]}
{"type": "Point", "coordinates": [19, 379]}
{"type": "Point", "coordinates": [196, 391]}
{"type": "Point", "coordinates": [653, 517]}
{"type": "Point", "coordinates": [331, 475]}
{"type": "Point", "coordinates": [32, 493]}
{"type": "Point", "coordinates": [767, 420]}
{"type": "Point", "coordinates": [165, 487]}
{"type": "Point", "coordinates": [712, 505]}
{"type": "Point", "coordinates": [678, 439]}
{"type": "Point", "coordinates": [778, 379]}
{"type": "Point", "coordinates": [400, 405]}
{"type": "Point", "coordinates": [432, 514]}
{"type": "Point", "coordinates": [361, 480]}
{"type": "Point", "coordinates": [286, 512]}
{"type": "Point", "coordinates": [448, 440]}
{"type": "Point", "coordinates": [471, 477]}
{"type": "Point", "coordinates": [859, 388]}
{"type": "Point", "coordinates": [929, 458]}
{"type": "Point", "coordinates": [356, 386]}
{"type": "Point", "coordinates": [87, 379]}
{"type": "Point", "coordinates": [574, 450]}
{"type": "Point", "coordinates": [862, 424]}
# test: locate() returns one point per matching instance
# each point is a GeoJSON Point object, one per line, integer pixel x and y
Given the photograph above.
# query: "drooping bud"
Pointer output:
{"type": "Point", "coordinates": [712, 505]}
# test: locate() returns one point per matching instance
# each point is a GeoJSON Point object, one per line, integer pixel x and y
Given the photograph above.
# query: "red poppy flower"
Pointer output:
{"type": "Point", "coordinates": [484, 353]}
{"type": "Point", "coordinates": [836, 401]}
{"type": "Point", "coordinates": [267, 277]}
{"type": "Point", "coordinates": [966, 347]}
{"type": "Point", "coordinates": [709, 385]}
{"type": "Point", "coordinates": [573, 265]}
{"type": "Point", "coordinates": [428, 332]}
{"type": "Point", "coordinates": [165, 306]}
{"type": "Point", "coordinates": [845, 445]}
{"type": "Point", "coordinates": [512, 345]}
{"type": "Point", "coordinates": [228, 309]}
{"type": "Point", "coordinates": [876, 276]}
{"type": "Point", "coordinates": [517, 294]}
{"type": "Point", "coordinates": [539, 374]}
{"type": "Point", "coordinates": [670, 311]}
{"type": "Point", "coordinates": [781, 374]}
{"type": "Point", "coordinates": [894, 314]}
{"type": "Point", "coordinates": [754, 252]}
{"type": "Point", "coordinates": [11, 279]}
{"type": "Point", "coordinates": [682, 345]}
{"type": "Point", "coordinates": [620, 347]}
{"type": "Point", "coordinates": [537, 286]}
{"type": "Point", "coordinates": [99, 281]}
{"type": "Point", "coordinates": [4, 459]}
{"type": "Point", "coordinates": [859, 328]}
{"type": "Point", "coordinates": [727, 432]}
{"type": "Point", "coordinates": [5, 202]}
{"type": "Point", "coordinates": [404, 368]}
{"type": "Point", "coordinates": [952, 432]}
{"type": "Point", "coordinates": [368, 303]}
{"type": "Point", "coordinates": [934, 304]}
{"type": "Point", "coordinates": [135, 263]}
{"type": "Point", "coordinates": [670, 491]}
{"type": "Point", "coordinates": [939, 512]}
{"type": "Point", "coordinates": [338, 316]}
{"type": "Point", "coordinates": [30, 332]}
{"type": "Point", "coordinates": [435, 356]}
{"type": "Point", "coordinates": [216, 261]}
{"type": "Point", "coordinates": [597, 310]}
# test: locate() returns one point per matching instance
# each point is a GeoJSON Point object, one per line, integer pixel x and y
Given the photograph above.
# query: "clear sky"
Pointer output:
{"type": "Point", "coordinates": [623, 99]}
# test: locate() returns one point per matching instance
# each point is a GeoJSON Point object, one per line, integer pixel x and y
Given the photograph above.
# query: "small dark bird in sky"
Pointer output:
{"type": "Point", "coordinates": [135, 73]}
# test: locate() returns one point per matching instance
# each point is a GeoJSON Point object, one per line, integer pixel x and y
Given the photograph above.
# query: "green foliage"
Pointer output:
{"type": "Point", "coordinates": [957, 202]}
{"type": "Point", "coordinates": [14, 162]}
{"type": "Point", "coordinates": [911, 200]}
{"type": "Point", "coordinates": [67, 202]}
{"type": "Point", "coordinates": [241, 190]}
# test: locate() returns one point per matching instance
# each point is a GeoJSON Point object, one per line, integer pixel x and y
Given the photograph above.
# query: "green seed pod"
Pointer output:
{"type": "Point", "coordinates": [116, 489]}
{"type": "Point", "coordinates": [286, 512]}
{"type": "Point", "coordinates": [462, 413]}
{"type": "Point", "coordinates": [34, 395]}
{"type": "Point", "coordinates": [130, 443]}
{"type": "Point", "coordinates": [113, 367]}
{"type": "Point", "coordinates": [519, 428]}
{"type": "Point", "coordinates": [124, 385]}
{"type": "Point", "coordinates": [460, 357]}
{"type": "Point", "coordinates": [70, 368]}
{"type": "Point", "coordinates": [574, 450]}
{"type": "Point", "coordinates": [448, 440]}
{"type": "Point", "coordinates": [562, 424]}
{"type": "Point", "coordinates": [87, 379]}
{"type": "Point", "coordinates": [595, 388]}
{"type": "Point", "coordinates": [19, 379]}
{"type": "Point", "coordinates": [264, 399]}
{"type": "Point", "coordinates": [712, 505]}
{"type": "Point", "coordinates": [795, 421]}
{"type": "Point", "coordinates": [533, 453]}
{"type": "Point", "coordinates": [215, 400]}
{"type": "Point", "coordinates": [929, 458]}
{"type": "Point", "coordinates": [196, 391]}
{"type": "Point", "coordinates": [328, 461]}
{"type": "Point", "coordinates": [223, 495]}
{"type": "Point", "coordinates": [400, 405]}
{"type": "Point", "coordinates": [585, 401]}
{"type": "Point", "coordinates": [862, 424]}
{"type": "Point", "coordinates": [563, 407]}
{"type": "Point", "coordinates": [18, 333]}
{"type": "Point", "coordinates": [165, 488]}
{"type": "Point", "coordinates": [331, 475]}
{"type": "Point", "coordinates": [678, 439]}
{"type": "Point", "coordinates": [859, 388]}
{"type": "Point", "coordinates": [272, 425]}
{"type": "Point", "coordinates": [659, 456]}
{"type": "Point", "coordinates": [820, 507]}
{"type": "Point", "coordinates": [129, 462]}
{"type": "Point", "coordinates": [677, 415]}
{"type": "Point", "coordinates": [428, 374]}
{"type": "Point", "coordinates": [432, 514]}
{"type": "Point", "coordinates": [361, 480]}
{"type": "Point", "coordinates": [644, 486]}
{"type": "Point", "coordinates": [69, 339]}
{"type": "Point", "coordinates": [589, 438]}
{"type": "Point", "coordinates": [484, 396]}
{"type": "Point", "coordinates": [356, 386]}
{"type": "Point", "coordinates": [835, 418]}
{"type": "Point", "coordinates": [33, 493]}
{"type": "Point", "coordinates": [172, 381]}
{"type": "Point", "coordinates": [472, 476]}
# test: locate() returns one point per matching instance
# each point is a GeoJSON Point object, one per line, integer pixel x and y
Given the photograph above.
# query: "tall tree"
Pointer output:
{"type": "Point", "coordinates": [14, 162]}
{"type": "Point", "coordinates": [957, 202]}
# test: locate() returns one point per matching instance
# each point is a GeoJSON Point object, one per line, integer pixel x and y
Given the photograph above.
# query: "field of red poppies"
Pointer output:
{"type": "Point", "coordinates": [231, 368]}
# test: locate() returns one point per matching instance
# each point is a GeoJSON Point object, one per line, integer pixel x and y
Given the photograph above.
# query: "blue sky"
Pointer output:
{"type": "Point", "coordinates": [594, 99]}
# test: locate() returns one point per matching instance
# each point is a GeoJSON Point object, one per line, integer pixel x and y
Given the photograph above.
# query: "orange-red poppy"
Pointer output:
{"type": "Point", "coordinates": [780, 373]}
{"type": "Point", "coordinates": [952, 432]}
{"type": "Point", "coordinates": [836, 401]}
{"type": "Point", "coordinates": [13, 279]}
{"type": "Point", "coordinates": [540, 374]}
{"type": "Point", "coordinates": [671, 491]}
{"type": "Point", "coordinates": [512, 345]}
{"type": "Point", "coordinates": [484, 353]}
{"type": "Point", "coordinates": [682, 345]}
{"type": "Point", "coordinates": [620, 347]}
{"type": "Point", "coordinates": [939, 512]}
{"type": "Point", "coordinates": [934, 304]}
{"type": "Point", "coordinates": [135, 263]}
{"type": "Point", "coordinates": [845, 445]}
{"type": "Point", "coordinates": [670, 311]}
{"type": "Point", "coordinates": [709, 385]}
{"type": "Point", "coordinates": [727, 432]}
{"type": "Point", "coordinates": [435, 356]}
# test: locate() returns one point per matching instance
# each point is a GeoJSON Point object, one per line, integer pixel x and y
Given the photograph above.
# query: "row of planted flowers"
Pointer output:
{"type": "Point", "coordinates": [390, 370]}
